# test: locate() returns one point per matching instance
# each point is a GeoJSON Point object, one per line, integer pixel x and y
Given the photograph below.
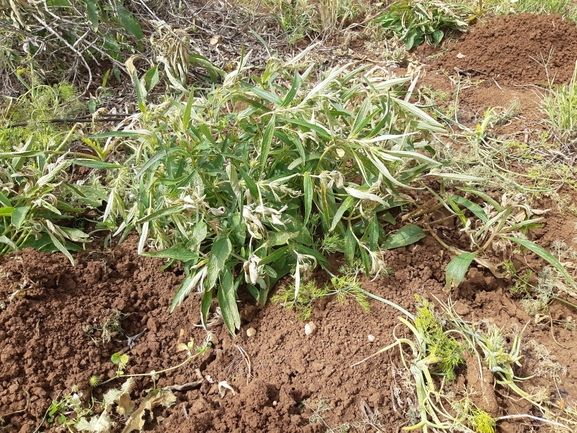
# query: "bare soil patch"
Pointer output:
{"type": "Point", "coordinates": [51, 337]}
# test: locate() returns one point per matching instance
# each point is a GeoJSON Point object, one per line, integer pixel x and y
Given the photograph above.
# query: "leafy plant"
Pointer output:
{"type": "Point", "coordinates": [40, 206]}
{"type": "Point", "coordinates": [417, 21]}
{"type": "Point", "coordinates": [68, 411]}
{"type": "Point", "coordinates": [235, 182]}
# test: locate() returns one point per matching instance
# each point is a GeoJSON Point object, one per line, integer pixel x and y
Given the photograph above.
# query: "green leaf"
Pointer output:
{"type": "Point", "coordinates": [176, 253]}
{"type": "Point", "coordinates": [130, 24]}
{"type": "Point", "coordinates": [266, 143]}
{"type": "Point", "coordinates": [161, 214]}
{"type": "Point", "coordinates": [188, 109]}
{"type": "Point", "coordinates": [219, 253]}
{"type": "Point", "coordinates": [6, 211]}
{"type": "Point", "coordinates": [473, 207]}
{"type": "Point", "coordinates": [5, 240]}
{"type": "Point", "coordinates": [280, 238]}
{"type": "Point", "coordinates": [188, 284]}
{"type": "Point", "coordinates": [407, 235]}
{"type": "Point", "coordinates": [350, 246]}
{"type": "Point", "coordinates": [227, 301]}
{"type": "Point", "coordinates": [437, 36]}
{"type": "Point", "coordinates": [99, 165]}
{"type": "Point", "coordinates": [60, 247]}
{"type": "Point", "coordinates": [457, 269]}
{"type": "Point", "coordinates": [205, 304]}
{"type": "Point", "coordinates": [545, 255]}
{"type": "Point", "coordinates": [151, 78]}
{"type": "Point", "coordinates": [295, 86]}
{"type": "Point", "coordinates": [345, 206]}
{"type": "Point", "coordinates": [308, 195]}
{"type": "Point", "coordinates": [276, 256]}
{"type": "Point", "coordinates": [92, 13]}
{"type": "Point", "coordinates": [267, 96]}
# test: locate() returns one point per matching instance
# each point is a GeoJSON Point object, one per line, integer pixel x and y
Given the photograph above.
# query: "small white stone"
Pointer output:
{"type": "Point", "coordinates": [371, 338]}
{"type": "Point", "coordinates": [251, 332]}
{"type": "Point", "coordinates": [310, 327]}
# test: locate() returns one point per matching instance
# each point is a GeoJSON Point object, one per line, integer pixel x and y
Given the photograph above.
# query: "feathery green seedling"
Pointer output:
{"type": "Point", "coordinates": [302, 300]}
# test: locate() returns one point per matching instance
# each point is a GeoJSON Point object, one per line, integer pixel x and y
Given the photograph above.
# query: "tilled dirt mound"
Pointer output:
{"type": "Point", "coordinates": [51, 342]}
{"type": "Point", "coordinates": [515, 49]}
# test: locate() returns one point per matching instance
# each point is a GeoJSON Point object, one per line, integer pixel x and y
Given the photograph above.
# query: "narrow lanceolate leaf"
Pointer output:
{"type": "Point", "coordinates": [473, 207]}
{"type": "Point", "coordinates": [91, 163]}
{"type": "Point", "coordinates": [60, 246]}
{"type": "Point", "coordinates": [350, 246]}
{"type": "Point", "coordinates": [161, 213]}
{"type": "Point", "coordinates": [266, 143]}
{"type": "Point", "coordinates": [295, 86]}
{"type": "Point", "coordinates": [263, 94]}
{"type": "Point", "coordinates": [457, 268]}
{"type": "Point", "coordinates": [143, 237]}
{"type": "Point", "coordinates": [188, 109]}
{"type": "Point", "coordinates": [182, 293]}
{"type": "Point", "coordinates": [325, 83]}
{"type": "Point", "coordinates": [431, 124]}
{"type": "Point", "coordinates": [407, 235]}
{"type": "Point", "coordinates": [130, 24]}
{"type": "Point", "coordinates": [345, 206]}
{"type": "Point", "coordinates": [5, 240]}
{"type": "Point", "coordinates": [361, 119]}
{"type": "Point", "coordinates": [182, 254]}
{"type": "Point", "coordinates": [364, 195]}
{"type": "Point", "coordinates": [308, 195]}
{"type": "Point", "coordinates": [194, 280]}
{"type": "Point", "coordinates": [545, 255]}
{"type": "Point", "coordinates": [227, 301]}
{"type": "Point", "coordinates": [219, 253]}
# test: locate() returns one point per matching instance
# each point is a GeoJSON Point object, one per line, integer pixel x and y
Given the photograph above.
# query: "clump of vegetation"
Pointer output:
{"type": "Point", "coordinates": [439, 408]}
{"type": "Point", "coordinates": [303, 298]}
{"type": "Point", "coordinates": [302, 155]}
{"type": "Point", "coordinates": [565, 8]}
{"type": "Point", "coordinates": [419, 21]}
{"type": "Point", "coordinates": [446, 350]}
{"type": "Point", "coordinates": [560, 107]}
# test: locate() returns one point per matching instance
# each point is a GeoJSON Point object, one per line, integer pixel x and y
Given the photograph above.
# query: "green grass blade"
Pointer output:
{"type": "Point", "coordinates": [176, 253]}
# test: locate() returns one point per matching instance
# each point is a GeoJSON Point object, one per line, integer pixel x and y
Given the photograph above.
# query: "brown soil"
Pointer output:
{"type": "Point", "coordinates": [52, 314]}
{"type": "Point", "coordinates": [516, 49]}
